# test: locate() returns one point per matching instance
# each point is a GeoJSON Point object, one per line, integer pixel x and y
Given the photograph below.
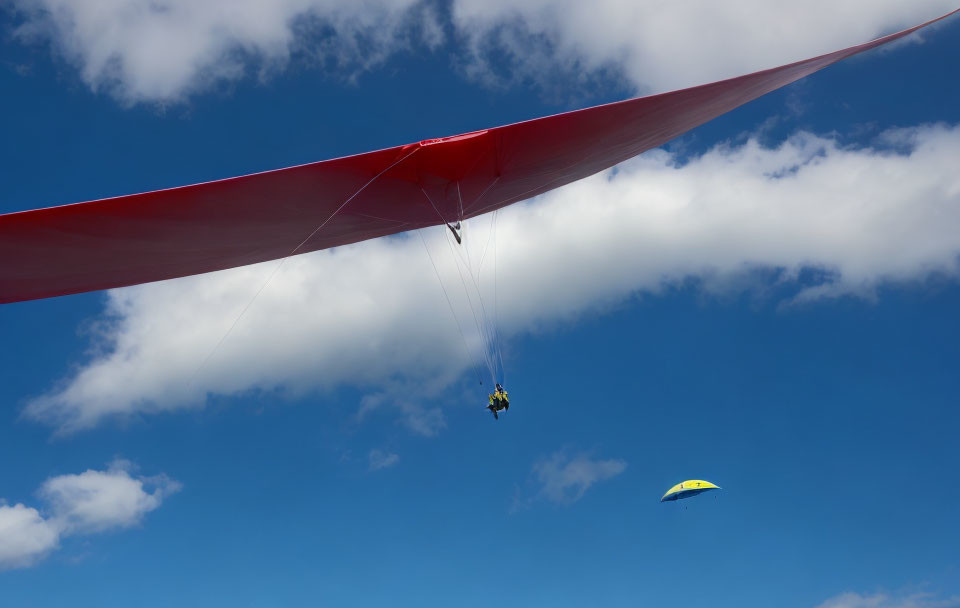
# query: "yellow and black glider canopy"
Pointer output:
{"type": "Point", "coordinates": [688, 488]}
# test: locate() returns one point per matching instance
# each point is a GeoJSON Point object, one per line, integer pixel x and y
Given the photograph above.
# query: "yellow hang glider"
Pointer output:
{"type": "Point", "coordinates": [688, 488]}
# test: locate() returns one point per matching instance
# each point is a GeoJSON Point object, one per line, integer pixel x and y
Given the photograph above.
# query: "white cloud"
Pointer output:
{"type": "Point", "coordinates": [883, 600]}
{"type": "Point", "coordinates": [372, 315]}
{"type": "Point", "coordinates": [379, 459]}
{"type": "Point", "coordinates": [165, 50]}
{"type": "Point", "coordinates": [25, 536]}
{"type": "Point", "coordinates": [88, 503]}
{"type": "Point", "coordinates": [667, 45]}
{"type": "Point", "coordinates": [564, 478]}
{"type": "Point", "coordinates": [96, 501]}
{"type": "Point", "coordinates": [162, 50]}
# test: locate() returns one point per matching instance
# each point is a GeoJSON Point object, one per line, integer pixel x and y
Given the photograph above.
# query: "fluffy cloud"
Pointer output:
{"type": "Point", "coordinates": [25, 536]}
{"type": "Point", "coordinates": [379, 459]}
{"type": "Point", "coordinates": [161, 50]}
{"type": "Point", "coordinates": [96, 501]}
{"type": "Point", "coordinates": [668, 45]}
{"type": "Point", "coordinates": [883, 600]}
{"type": "Point", "coordinates": [164, 50]}
{"type": "Point", "coordinates": [91, 502]}
{"type": "Point", "coordinates": [564, 478]}
{"type": "Point", "coordinates": [373, 316]}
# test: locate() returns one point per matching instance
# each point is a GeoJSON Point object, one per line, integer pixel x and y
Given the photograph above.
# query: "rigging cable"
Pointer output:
{"type": "Point", "coordinates": [482, 328]}
{"type": "Point", "coordinates": [485, 324]}
{"type": "Point", "coordinates": [473, 363]}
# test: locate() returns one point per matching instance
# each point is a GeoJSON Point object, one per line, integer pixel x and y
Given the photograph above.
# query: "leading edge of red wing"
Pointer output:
{"type": "Point", "coordinates": [401, 148]}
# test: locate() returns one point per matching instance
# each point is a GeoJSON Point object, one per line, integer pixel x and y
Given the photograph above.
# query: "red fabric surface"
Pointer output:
{"type": "Point", "coordinates": [216, 225]}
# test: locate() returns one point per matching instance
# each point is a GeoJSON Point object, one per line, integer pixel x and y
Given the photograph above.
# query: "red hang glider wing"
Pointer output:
{"type": "Point", "coordinates": [233, 222]}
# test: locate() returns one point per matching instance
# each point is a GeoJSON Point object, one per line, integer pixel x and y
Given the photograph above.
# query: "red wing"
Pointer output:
{"type": "Point", "coordinates": [233, 222]}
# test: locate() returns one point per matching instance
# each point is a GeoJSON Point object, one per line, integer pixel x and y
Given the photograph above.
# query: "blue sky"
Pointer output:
{"type": "Point", "coordinates": [794, 340]}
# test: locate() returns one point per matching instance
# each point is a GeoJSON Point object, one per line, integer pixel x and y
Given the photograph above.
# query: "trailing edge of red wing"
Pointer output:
{"type": "Point", "coordinates": [243, 220]}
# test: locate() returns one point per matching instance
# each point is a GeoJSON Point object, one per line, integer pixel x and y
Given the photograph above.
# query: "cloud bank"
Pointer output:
{"type": "Point", "coordinates": [88, 503]}
{"type": "Point", "coordinates": [166, 50]}
{"type": "Point", "coordinates": [659, 46]}
{"type": "Point", "coordinates": [373, 316]}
